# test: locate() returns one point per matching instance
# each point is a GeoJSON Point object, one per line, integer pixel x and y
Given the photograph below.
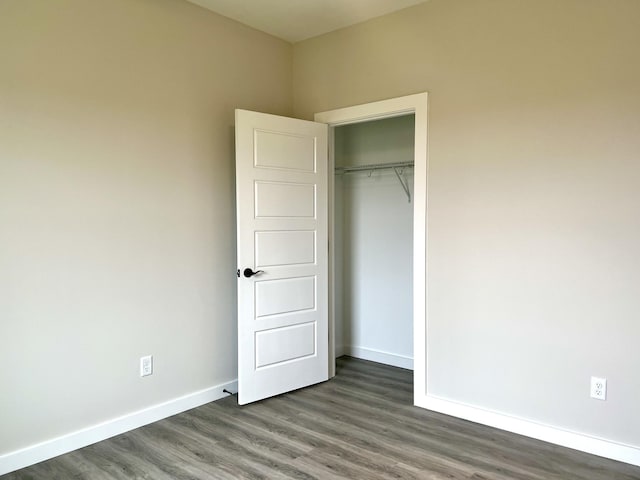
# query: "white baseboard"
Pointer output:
{"type": "Point", "coordinates": [378, 356]}
{"type": "Point", "coordinates": [577, 441]}
{"type": "Point", "coordinates": [81, 438]}
{"type": "Point", "coordinates": [339, 350]}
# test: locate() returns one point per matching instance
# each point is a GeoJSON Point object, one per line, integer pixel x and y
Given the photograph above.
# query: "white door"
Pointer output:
{"type": "Point", "coordinates": [281, 202]}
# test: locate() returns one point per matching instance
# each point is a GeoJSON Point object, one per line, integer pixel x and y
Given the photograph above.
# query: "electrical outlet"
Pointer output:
{"type": "Point", "coordinates": [599, 388]}
{"type": "Point", "coordinates": [146, 365]}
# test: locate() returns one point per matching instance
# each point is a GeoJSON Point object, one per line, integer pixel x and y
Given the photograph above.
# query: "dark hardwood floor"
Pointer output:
{"type": "Point", "coordinates": [359, 425]}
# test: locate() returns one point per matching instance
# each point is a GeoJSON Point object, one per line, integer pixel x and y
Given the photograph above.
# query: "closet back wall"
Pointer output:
{"type": "Point", "coordinates": [374, 228]}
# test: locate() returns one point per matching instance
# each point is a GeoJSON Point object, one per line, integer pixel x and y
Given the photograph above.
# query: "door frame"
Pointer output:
{"type": "Point", "coordinates": [417, 105]}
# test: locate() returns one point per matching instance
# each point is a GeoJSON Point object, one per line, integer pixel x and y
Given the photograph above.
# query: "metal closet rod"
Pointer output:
{"type": "Point", "coordinates": [396, 166]}
{"type": "Point", "coordinates": [373, 166]}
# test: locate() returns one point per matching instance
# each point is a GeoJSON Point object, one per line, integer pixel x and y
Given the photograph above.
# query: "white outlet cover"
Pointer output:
{"type": "Point", "coordinates": [599, 388]}
{"type": "Point", "coordinates": [146, 365]}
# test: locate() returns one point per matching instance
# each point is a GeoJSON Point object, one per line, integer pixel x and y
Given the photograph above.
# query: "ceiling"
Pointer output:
{"type": "Point", "coordinates": [295, 20]}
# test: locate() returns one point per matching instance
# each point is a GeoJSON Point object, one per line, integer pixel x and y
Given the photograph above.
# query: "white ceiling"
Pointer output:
{"type": "Point", "coordinates": [295, 20]}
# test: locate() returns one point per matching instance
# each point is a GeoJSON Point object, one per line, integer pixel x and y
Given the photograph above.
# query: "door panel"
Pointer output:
{"type": "Point", "coordinates": [281, 197]}
{"type": "Point", "coordinates": [285, 344]}
{"type": "Point", "coordinates": [294, 247]}
{"type": "Point", "coordinates": [285, 200]}
{"type": "Point", "coordinates": [270, 145]}
{"type": "Point", "coordinates": [276, 297]}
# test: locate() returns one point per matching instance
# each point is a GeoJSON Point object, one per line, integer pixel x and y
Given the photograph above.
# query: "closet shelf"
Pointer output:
{"type": "Point", "coordinates": [396, 166]}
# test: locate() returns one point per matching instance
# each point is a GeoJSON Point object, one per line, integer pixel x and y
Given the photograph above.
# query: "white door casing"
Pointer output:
{"type": "Point", "coordinates": [282, 222]}
{"type": "Point", "coordinates": [416, 104]}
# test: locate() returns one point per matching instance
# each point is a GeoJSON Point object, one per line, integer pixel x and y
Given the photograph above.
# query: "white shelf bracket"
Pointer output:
{"type": "Point", "coordinates": [404, 183]}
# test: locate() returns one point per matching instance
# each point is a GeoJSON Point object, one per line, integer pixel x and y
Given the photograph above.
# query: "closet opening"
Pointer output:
{"type": "Point", "coordinates": [373, 232]}
{"type": "Point", "coordinates": [412, 110]}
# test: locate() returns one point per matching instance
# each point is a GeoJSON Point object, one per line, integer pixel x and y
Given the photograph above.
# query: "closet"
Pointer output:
{"type": "Point", "coordinates": [373, 240]}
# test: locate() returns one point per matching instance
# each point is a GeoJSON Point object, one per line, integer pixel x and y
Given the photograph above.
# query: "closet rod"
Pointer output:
{"type": "Point", "coordinates": [373, 166]}
{"type": "Point", "coordinates": [396, 166]}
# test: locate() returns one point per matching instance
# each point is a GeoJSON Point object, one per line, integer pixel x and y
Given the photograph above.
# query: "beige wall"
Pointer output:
{"type": "Point", "coordinates": [533, 262]}
{"type": "Point", "coordinates": [117, 213]}
{"type": "Point", "coordinates": [117, 217]}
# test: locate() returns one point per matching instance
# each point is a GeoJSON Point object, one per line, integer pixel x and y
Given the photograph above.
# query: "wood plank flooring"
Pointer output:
{"type": "Point", "coordinates": [359, 425]}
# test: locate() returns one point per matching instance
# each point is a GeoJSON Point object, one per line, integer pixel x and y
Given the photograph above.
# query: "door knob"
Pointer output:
{"type": "Point", "coordinates": [250, 273]}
